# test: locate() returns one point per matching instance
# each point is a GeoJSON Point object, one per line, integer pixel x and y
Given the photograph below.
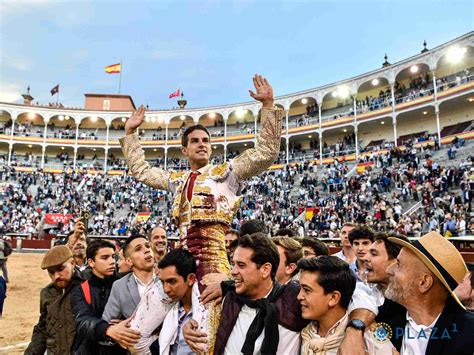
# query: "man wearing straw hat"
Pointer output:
{"type": "Point", "coordinates": [423, 280]}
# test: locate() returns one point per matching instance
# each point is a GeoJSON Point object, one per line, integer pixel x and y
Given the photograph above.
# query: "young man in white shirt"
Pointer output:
{"type": "Point", "coordinates": [361, 238]}
{"type": "Point", "coordinates": [327, 285]}
{"type": "Point", "coordinates": [178, 276]}
{"type": "Point", "coordinates": [260, 316]}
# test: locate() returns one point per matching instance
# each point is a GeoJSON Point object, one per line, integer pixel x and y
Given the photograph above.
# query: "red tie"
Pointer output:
{"type": "Point", "coordinates": [192, 179]}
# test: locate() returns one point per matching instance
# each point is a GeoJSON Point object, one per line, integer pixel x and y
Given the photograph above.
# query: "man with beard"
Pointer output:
{"type": "Point", "coordinates": [207, 197]}
{"type": "Point", "coordinates": [55, 330]}
{"type": "Point", "coordinates": [159, 242]}
{"type": "Point", "coordinates": [423, 281]}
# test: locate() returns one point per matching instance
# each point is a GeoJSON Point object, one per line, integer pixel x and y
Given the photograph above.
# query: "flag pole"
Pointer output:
{"type": "Point", "coordinates": [120, 78]}
{"type": "Point", "coordinates": [57, 98]}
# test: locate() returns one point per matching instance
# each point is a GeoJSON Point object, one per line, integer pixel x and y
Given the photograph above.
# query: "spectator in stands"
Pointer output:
{"type": "Point", "coordinates": [423, 280]}
{"type": "Point", "coordinates": [159, 243]}
{"type": "Point", "coordinates": [88, 303]}
{"type": "Point", "coordinates": [449, 226]}
{"type": "Point", "coordinates": [55, 330]}
{"type": "Point", "coordinates": [327, 285]}
{"type": "Point", "coordinates": [361, 238]}
{"type": "Point", "coordinates": [312, 248]}
{"type": "Point", "coordinates": [290, 252]}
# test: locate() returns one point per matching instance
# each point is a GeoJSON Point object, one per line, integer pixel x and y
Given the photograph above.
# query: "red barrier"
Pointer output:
{"type": "Point", "coordinates": [35, 244]}
{"type": "Point", "coordinates": [468, 257]}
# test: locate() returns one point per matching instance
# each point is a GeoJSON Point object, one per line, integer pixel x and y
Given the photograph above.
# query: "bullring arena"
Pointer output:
{"type": "Point", "coordinates": [334, 138]}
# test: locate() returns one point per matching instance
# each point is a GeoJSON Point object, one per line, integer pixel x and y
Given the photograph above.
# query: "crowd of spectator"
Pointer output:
{"type": "Point", "coordinates": [377, 196]}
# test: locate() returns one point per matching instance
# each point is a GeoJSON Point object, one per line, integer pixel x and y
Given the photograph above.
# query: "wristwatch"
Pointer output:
{"type": "Point", "coordinates": [357, 324]}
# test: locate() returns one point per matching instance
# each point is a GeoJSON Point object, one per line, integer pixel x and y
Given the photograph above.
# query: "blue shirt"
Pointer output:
{"type": "Point", "coordinates": [180, 347]}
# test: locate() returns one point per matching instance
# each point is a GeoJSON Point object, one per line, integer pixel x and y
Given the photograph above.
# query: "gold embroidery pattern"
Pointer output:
{"type": "Point", "coordinates": [139, 167]}
{"type": "Point", "coordinates": [177, 175]}
{"type": "Point", "coordinates": [219, 171]}
{"type": "Point", "coordinates": [206, 201]}
{"type": "Point", "coordinates": [206, 242]}
{"type": "Point", "coordinates": [201, 189]}
{"type": "Point", "coordinates": [206, 215]}
{"type": "Point", "coordinates": [257, 160]}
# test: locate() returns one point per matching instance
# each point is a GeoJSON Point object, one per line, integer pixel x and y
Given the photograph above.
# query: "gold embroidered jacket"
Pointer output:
{"type": "Point", "coordinates": [216, 191]}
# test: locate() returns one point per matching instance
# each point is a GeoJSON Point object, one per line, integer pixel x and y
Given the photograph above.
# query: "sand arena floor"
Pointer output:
{"type": "Point", "coordinates": [21, 308]}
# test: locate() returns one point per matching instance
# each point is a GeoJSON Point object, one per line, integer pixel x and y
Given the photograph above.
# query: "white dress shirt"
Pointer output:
{"type": "Point", "coordinates": [142, 286]}
{"type": "Point", "coordinates": [289, 343]}
{"type": "Point", "coordinates": [416, 337]}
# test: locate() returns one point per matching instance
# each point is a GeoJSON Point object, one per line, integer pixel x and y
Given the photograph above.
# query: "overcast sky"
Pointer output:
{"type": "Point", "coordinates": [208, 48]}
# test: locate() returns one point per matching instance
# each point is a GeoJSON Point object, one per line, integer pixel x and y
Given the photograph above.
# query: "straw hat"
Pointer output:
{"type": "Point", "coordinates": [441, 257]}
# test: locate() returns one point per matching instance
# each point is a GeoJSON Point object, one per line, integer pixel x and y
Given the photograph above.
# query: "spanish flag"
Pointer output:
{"type": "Point", "coordinates": [113, 69]}
{"type": "Point", "coordinates": [143, 216]}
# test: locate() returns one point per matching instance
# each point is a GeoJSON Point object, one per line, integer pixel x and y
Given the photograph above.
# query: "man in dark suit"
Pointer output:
{"type": "Point", "coordinates": [423, 281]}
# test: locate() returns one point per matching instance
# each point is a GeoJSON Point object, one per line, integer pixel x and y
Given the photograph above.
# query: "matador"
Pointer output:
{"type": "Point", "coordinates": [205, 198]}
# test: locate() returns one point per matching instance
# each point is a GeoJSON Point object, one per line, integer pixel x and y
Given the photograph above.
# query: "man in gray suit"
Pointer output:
{"type": "Point", "coordinates": [127, 292]}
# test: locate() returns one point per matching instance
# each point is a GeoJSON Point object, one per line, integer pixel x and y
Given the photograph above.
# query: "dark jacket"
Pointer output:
{"type": "Point", "coordinates": [90, 328]}
{"type": "Point", "coordinates": [452, 333]}
{"type": "Point", "coordinates": [55, 330]}
{"type": "Point", "coordinates": [389, 310]}
{"type": "Point", "coordinates": [288, 313]}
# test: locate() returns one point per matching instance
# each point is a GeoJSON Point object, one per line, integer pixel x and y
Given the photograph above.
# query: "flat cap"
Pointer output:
{"type": "Point", "coordinates": [56, 256]}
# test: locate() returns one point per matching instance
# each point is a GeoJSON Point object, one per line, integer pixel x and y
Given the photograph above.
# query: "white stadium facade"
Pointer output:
{"type": "Point", "coordinates": [429, 96]}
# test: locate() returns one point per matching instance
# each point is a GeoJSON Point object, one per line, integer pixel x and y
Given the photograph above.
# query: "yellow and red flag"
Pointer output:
{"type": "Point", "coordinates": [143, 216]}
{"type": "Point", "coordinates": [113, 69]}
